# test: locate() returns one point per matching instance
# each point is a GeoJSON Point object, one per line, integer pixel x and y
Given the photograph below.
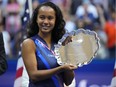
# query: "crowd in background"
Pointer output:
{"type": "Point", "coordinates": [96, 15]}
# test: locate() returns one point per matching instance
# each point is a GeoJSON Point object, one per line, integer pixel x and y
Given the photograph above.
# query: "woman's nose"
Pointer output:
{"type": "Point", "coordinates": [46, 21]}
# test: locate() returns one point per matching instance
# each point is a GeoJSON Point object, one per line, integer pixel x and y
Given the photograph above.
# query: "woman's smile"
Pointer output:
{"type": "Point", "coordinates": [46, 19]}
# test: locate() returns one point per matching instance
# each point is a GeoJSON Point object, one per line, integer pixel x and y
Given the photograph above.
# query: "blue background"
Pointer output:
{"type": "Point", "coordinates": [97, 73]}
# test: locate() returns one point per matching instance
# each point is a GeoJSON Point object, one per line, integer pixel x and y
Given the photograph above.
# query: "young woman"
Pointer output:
{"type": "Point", "coordinates": [45, 29]}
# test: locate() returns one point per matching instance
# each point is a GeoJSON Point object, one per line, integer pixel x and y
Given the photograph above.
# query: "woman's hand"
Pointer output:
{"type": "Point", "coordinates": [68, 67]}
{"type": "Point", "coordinates": [67, 40]}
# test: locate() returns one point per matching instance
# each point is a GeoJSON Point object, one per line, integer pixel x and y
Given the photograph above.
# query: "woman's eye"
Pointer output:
{"type": "Point", "coordinates": [42, 17]}
{"type": "Point", "coordinates": [50, 18]}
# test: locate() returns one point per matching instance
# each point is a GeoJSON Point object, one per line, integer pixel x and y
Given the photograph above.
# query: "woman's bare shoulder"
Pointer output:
{"type": "Point", "coordinates": [28, 43]}
{"type": "Point", "coordinates": [28, 40]}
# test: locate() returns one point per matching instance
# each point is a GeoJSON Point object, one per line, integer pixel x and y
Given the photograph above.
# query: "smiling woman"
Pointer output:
{"type": "Point", "coordinates": [46, 20]}
{"type": "Point", "coordinates": [44, 31]}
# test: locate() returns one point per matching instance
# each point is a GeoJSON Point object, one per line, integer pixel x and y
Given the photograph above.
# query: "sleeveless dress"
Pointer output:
{"type": "Point", "coordinates": [46, 60]}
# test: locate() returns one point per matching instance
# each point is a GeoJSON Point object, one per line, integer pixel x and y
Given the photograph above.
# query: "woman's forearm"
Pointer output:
{"type": "Point", "coordinates": [44, 74]}
{"type": "Point", "coordinates": [68, 77]}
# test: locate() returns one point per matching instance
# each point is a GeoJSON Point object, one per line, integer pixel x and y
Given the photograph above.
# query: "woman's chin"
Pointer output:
{"type": "Point", "coordinates": [46, 31]}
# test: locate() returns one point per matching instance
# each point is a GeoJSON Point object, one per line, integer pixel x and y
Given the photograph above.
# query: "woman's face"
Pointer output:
{"type": "Point", "coordinates": [46, 19]}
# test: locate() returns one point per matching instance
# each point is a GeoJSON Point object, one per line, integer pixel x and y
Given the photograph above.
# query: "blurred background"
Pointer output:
{"type": "Point", "coordinates": [96, 15]}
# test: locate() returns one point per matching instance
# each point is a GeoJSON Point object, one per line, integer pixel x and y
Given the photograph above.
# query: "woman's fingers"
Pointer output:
{"type": "Point", "coordinates": [67, 40]}
{"type": "Point", "coordinates": [69, 67]}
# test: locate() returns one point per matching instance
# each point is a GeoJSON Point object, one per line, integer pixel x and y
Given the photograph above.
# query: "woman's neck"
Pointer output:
{"type": "Point", "coordinates": [47, 38]}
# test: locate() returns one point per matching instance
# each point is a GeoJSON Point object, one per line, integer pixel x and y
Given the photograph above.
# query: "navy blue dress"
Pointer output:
{"type": "Point", "coordinates": [46, 60]}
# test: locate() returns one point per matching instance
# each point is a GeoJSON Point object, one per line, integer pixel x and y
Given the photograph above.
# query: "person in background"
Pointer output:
{"type": "Point", "coordinates": [3, 62]}
{"type": "Point", "coordinates": [87, 13]}
{"type": "Point", "coordinates": [103, 50]}
{"type": "Point", "coordinates": [110, 30]}
{"type": "Point", "coordinates": [13, 19]}
{"type": "Point", "coordinates": [44, 31]}
{"type": "Point", "coordinates": [6, 36]}
{"type": "Point", "coordinates": [35, 4]}
{"type": "Point", "coordinates": [13, 22]}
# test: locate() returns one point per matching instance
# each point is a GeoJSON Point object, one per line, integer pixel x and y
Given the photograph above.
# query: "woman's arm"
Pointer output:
{"type": "Point", "coordinates": [29, 58]}
{"type": "Point", "coordinates": [68, 75]}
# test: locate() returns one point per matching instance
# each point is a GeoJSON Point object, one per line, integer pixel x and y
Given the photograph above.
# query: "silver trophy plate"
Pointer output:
{"type": "Point", "coordinates": [80, 51]}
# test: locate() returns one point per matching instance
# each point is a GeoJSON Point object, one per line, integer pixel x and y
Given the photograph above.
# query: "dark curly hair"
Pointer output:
{"type": "Point", "coordinates": [58, 30]}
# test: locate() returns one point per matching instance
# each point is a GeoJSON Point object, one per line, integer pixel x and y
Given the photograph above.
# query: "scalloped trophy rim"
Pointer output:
{"type": "Point", "coordinates": [73, 33]}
